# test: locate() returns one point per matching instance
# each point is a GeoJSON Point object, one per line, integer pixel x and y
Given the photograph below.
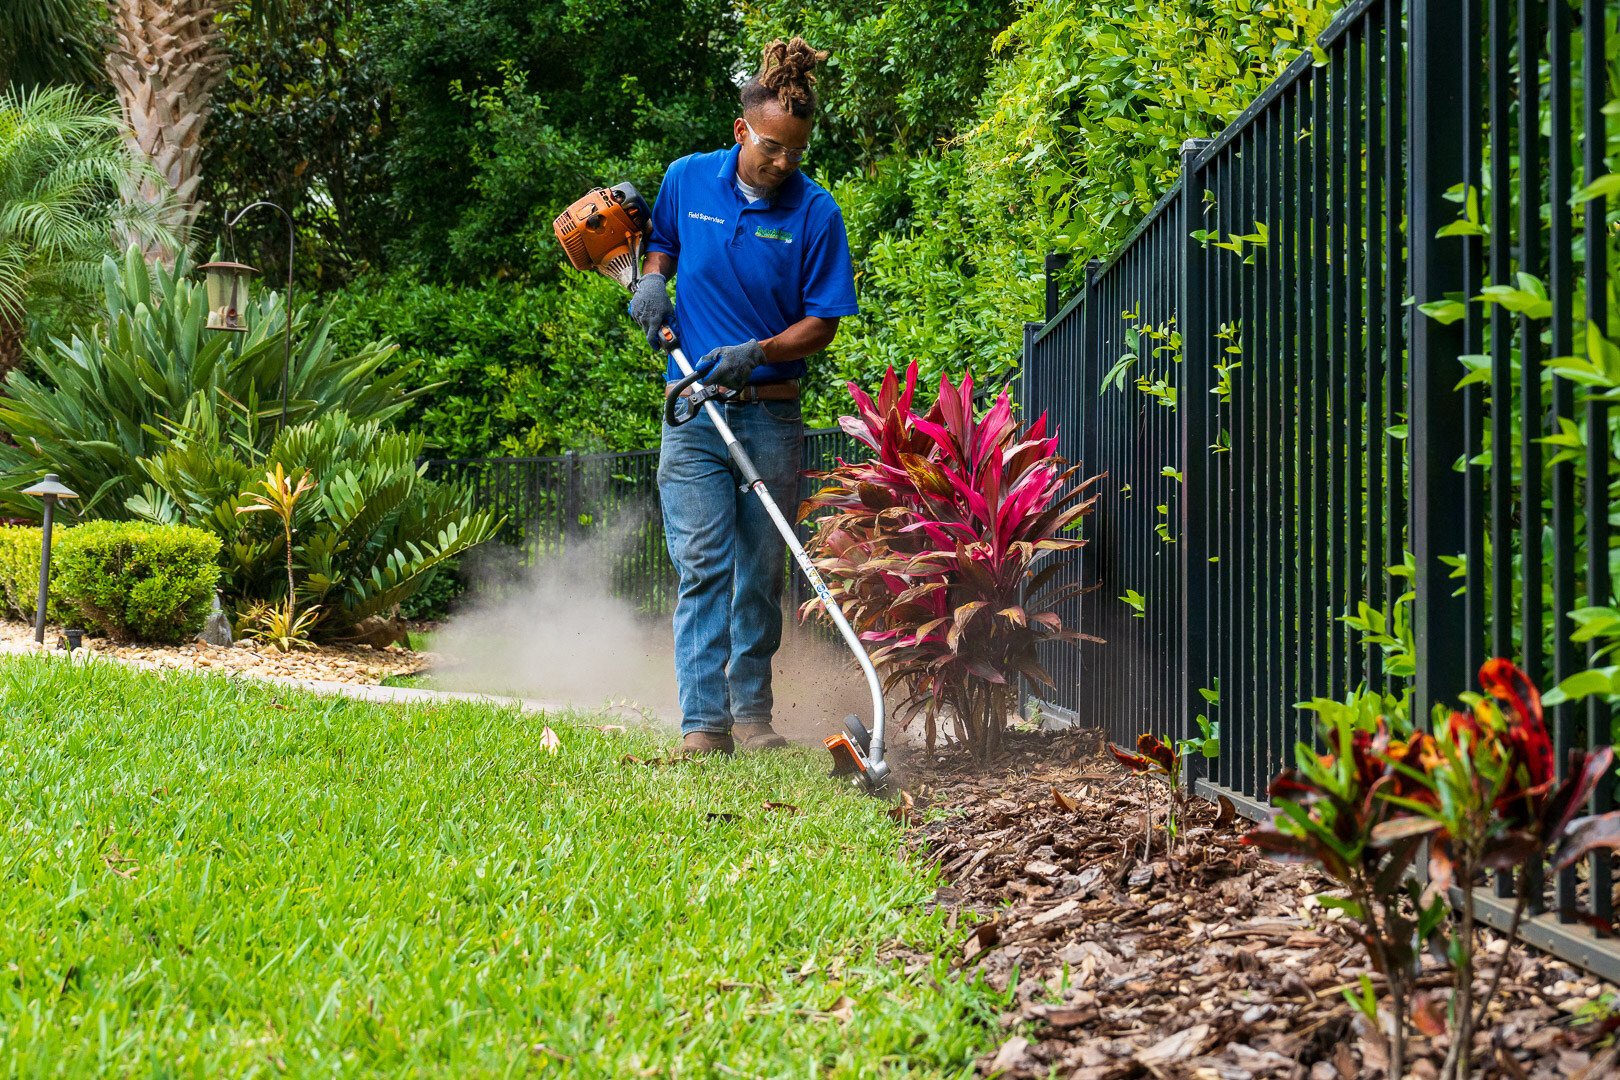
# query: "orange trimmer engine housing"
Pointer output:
{"type": "Point", "coordinates": [605, 231]}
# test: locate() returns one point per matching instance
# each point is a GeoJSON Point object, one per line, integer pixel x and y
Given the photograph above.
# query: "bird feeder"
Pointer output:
{"type": "Point", "coordinates": [227, 294]}
{"type": "Point", "coordinates": [49, 490]}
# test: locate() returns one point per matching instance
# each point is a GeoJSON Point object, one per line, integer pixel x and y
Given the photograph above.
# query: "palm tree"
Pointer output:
{"type": "Point", "coordinates": [63, 170]}
{"type": "Point", "coordinates": [165, 59]}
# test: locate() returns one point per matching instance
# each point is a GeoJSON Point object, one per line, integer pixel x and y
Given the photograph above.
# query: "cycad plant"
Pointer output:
{"type": "Point", "coordinates": [91, 407]}
{"type": "Point", "coordinates": [373, 533]}
{"type": "Point", "coordinates": [939, 549]}
{"type": "Point", "coordinates": [63, 166]}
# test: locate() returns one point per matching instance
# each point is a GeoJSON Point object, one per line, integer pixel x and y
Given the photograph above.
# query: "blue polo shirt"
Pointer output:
{"type": "Point", "coordinates": [749, 270]}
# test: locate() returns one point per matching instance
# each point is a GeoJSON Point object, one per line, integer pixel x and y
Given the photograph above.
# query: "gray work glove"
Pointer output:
{"type": "Point", "coordinates": [650, 306]}
{"type": "Point", "coordinates": [733, 364]}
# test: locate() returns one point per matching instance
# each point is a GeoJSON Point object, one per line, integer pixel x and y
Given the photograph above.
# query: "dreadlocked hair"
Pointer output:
{"type": "Point", "coordinates": [786, 76]}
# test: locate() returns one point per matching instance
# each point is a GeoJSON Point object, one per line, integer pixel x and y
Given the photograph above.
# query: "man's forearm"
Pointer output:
{"type": "Point", "coordinates": [657, 262]}
{"type": "Point", "coordinates": [804, 337]}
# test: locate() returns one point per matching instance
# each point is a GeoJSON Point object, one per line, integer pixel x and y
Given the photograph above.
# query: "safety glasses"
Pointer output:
{"type": "Point", "coordinates": [773, 149]}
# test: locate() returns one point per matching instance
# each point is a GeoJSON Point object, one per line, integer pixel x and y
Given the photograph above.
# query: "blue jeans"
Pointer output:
{"type": "Point", "coordinates": [729, 558]}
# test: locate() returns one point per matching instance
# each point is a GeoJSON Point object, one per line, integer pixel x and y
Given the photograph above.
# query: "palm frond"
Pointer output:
{"type": "Point", "coordinates": [64, 168]}
{"type": "Point", "coordinates": [52, 41]}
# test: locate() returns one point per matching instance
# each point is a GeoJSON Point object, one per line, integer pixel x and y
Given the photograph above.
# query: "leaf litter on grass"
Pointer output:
{"type": "Point", "coordinates": [1214, 964]}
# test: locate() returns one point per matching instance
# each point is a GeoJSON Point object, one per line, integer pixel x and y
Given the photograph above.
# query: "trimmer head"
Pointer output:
{"type": "Point", "coordinates": [851, 750]}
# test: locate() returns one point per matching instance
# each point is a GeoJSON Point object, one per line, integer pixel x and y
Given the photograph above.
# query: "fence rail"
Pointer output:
{"type": "Point", "coordinates": [1283, 433]}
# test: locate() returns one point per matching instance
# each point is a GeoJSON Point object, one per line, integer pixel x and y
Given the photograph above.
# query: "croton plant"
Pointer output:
{"type": "Point", "coordinates": [938, 547]}
{"type": "Point", "coordinates": [1480, 788]}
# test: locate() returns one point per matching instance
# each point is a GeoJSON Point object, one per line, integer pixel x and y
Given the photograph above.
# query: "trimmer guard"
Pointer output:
{"type": "Point", "coordinates": [850, 749]}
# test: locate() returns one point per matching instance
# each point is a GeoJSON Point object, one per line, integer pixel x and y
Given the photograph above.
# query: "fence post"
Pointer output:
{"type": "Point", "coordinates": [1055, 262]}
{"type": "Point", "coordinates": [1090, 611]}
{"type": "Point", "coordinates": [1435, 150]}
{"type": "Point", "coordinates": [573, 500]}
{"type": "Point", "coordinates": [1026, 373]}
{"type": "Point", "coordinates": [1192, 412]}
{"type": "Point", "coordinates": [1026, 378]}
{"type": "Point", "coordinates": [1090, 365]}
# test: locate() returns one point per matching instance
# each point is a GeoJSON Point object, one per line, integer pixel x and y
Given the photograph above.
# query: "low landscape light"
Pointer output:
{"type": "Point", "coordinates": [49, 490]}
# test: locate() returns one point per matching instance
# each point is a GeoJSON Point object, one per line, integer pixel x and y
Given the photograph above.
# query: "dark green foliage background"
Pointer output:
{"type": "Point", "coordinates": [526, 368]}
{"type": "Point", "coordinates": [426, 145]}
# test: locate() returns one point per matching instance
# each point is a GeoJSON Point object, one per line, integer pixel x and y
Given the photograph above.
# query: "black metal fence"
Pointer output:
{"type": "Point", "coordinates": [552, 504]}
{"type": "Point", "coordinates": [1284, 434]}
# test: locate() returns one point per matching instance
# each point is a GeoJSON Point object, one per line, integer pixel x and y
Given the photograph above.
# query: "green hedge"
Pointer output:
{"type": "Point", "coordinates": [137, 581]}
{"type": "Point", "coordinates": [508, 368]}
{"type": "Point", "coordinates": [19, 573]}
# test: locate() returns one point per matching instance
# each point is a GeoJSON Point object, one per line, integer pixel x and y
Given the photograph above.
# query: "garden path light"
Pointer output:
{"type": "Point", "coordinates": [49, 490]}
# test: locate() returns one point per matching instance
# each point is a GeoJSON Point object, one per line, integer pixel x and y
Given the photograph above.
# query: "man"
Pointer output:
{"type": "Point", "coordinates": [762, 275]}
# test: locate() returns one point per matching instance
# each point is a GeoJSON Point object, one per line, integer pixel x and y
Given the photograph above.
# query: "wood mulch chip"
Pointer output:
{"type": "Point", "coordinates": [1214, 964]}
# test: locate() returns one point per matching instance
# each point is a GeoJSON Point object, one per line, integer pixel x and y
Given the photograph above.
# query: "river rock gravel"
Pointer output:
{"type": "Point", "coordinates": [358, 664]}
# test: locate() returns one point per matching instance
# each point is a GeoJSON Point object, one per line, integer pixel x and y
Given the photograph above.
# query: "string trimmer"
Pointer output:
{"type": "Point", "coordinates": [606, 231]}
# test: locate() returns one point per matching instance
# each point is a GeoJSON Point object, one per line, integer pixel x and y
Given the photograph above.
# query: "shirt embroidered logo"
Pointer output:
{"type": "Point", "coordinates": [706, 217]}
{"type": "Point", "coordinates": [781, 235]}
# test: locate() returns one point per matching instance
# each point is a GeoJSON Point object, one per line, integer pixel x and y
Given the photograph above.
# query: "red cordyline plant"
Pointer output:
{"type": "Point", "coordinates": [1481, 789]}
{"type": "Point", "coordinates": [934, 546]}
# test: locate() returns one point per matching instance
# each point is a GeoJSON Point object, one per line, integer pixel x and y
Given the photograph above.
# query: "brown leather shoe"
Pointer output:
{"type": "Point", "coordinates": [757, 735]}
{"type": "Point", "coordinates": [696, 743]}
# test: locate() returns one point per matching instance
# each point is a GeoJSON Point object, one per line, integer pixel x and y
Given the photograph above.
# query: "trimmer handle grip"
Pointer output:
{"type": "Point", "coordinates": [694, 403]}
{"type": "Point", "coordinates": [672, 398]}
{"type": "Point", "coordinates": [672, 394]}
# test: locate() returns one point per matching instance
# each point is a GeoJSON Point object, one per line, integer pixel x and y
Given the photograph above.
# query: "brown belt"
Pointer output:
{"type": "Point", "coordinates": [775, 391]}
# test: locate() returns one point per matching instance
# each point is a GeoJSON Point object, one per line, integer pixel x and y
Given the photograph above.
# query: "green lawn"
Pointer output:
{"type": "Point", "coordinates": [419, 682]}
{"type": "Point", "coordinates": [199, 880]}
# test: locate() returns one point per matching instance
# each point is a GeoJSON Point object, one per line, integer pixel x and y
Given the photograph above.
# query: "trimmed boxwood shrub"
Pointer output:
{"type": "Point", "coordinates": [137, 581]}
{"type": "Point", "coordinates": [19, 573]}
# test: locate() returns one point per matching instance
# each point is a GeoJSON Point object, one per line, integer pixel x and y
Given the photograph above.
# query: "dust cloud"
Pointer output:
{"type": "Point", "coordinates": [555, 631]}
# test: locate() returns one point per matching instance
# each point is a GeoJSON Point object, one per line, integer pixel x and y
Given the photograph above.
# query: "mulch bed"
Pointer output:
{"type": "Point", "coordinates": [1216, 964]}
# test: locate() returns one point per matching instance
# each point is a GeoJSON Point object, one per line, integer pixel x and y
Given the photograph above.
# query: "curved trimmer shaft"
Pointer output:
{"type": "Point", "coordinates": [863, 763]}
